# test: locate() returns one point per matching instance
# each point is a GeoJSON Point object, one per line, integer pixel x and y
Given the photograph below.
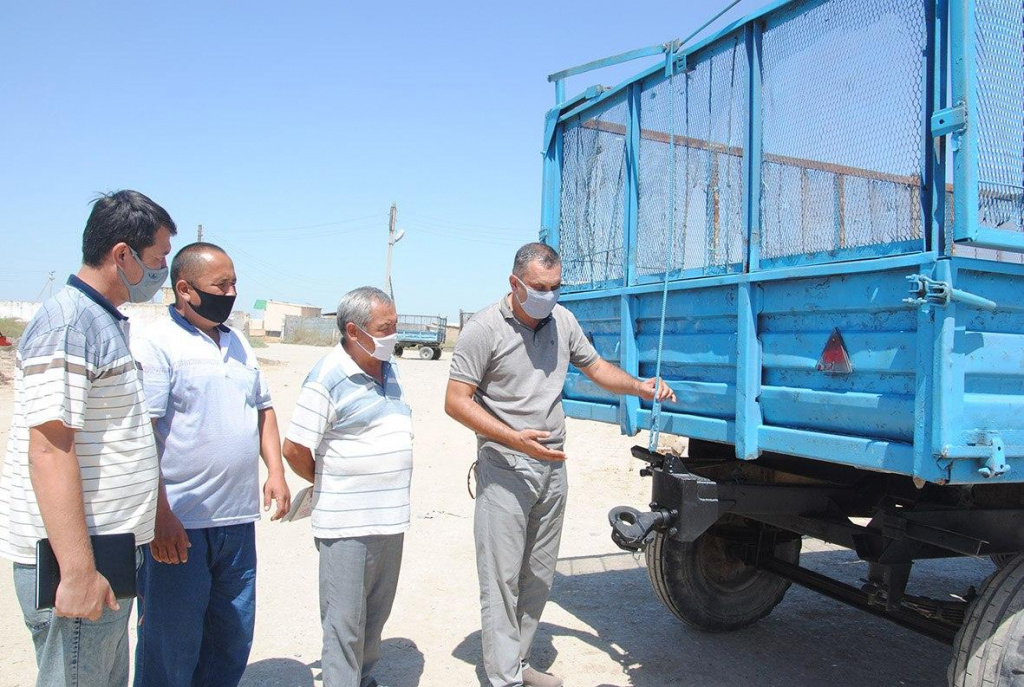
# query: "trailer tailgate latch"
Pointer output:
{"type": "Point", "coordinates": [949, 121]}
{"type": "Point", "coordinates": [988, 447]}
{"type": "Point", "coordinates": [927, 291]}
{"type": "Point", "coordinates": [996, 464]}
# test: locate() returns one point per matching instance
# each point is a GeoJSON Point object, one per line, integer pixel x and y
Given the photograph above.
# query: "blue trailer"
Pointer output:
{"type": "Point", "coordinates": [811, 224]}
{"type": "Point", "coordinates": [425, 333]}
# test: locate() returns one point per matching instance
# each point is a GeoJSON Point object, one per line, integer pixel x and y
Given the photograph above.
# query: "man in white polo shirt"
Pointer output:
{"type": "Point", "coordinates": [81, 459]}
{"type": "Point", "coordinates": [213, 418]}
{"type": "Point", "coordinates": [351, 435]}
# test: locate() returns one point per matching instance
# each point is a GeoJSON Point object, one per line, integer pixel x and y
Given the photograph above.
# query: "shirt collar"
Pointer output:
{"type": "Point", "coordinates": [95, 296]}
{"type": "Point", "coordinates": [508, 314]}
{"type": "Point", "coordinates": [180, 320]}
{"type": "Point", "coordinates": [351, 368]}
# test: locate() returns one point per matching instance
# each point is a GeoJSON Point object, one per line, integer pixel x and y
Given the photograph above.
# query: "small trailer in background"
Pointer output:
{"type": "Point", "coordinates": [811, 224]}
{"type": "Point", "coordinates": [426, 333]}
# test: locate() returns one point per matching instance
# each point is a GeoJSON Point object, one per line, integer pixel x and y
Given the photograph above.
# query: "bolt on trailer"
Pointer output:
{"type": "Point", "coordinates": [811, 225]}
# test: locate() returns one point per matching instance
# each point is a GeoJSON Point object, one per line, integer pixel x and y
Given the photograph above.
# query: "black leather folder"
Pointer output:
{"type": "Point", "coordinates": [115, 560]}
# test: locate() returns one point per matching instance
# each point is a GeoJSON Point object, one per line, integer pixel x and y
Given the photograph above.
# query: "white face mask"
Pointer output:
{"type": "Point", "coordinates": [538, 304]}
{"type": "Point", "coordinates": [383, 347]}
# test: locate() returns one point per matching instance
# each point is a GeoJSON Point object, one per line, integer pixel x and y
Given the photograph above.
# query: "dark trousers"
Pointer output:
{"type": "Point", "coordinates": [196, 619]}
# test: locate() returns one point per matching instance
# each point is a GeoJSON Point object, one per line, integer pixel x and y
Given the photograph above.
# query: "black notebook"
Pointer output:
{"type": "Point", "coordinates": [115, 560]}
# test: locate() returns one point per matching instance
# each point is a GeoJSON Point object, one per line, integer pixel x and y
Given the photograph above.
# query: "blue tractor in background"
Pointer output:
{"type": "Point", "coordinates": [811, 224]}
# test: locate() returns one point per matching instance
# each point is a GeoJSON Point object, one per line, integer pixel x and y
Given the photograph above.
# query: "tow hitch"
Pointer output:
{"type": "Point", "coordinates": [683, 504]}
{"type": "Point", "coordinates": [632, 530]}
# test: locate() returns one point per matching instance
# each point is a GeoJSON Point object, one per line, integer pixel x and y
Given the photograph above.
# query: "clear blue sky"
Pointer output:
{"type": "Point", "coordinates": [288, 129]}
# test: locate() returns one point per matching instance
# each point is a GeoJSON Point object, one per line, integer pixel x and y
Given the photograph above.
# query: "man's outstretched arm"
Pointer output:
{"type": "Point", "coordinates": [460, 405]}
{"type": "Point", "coordinates": [616, 380]}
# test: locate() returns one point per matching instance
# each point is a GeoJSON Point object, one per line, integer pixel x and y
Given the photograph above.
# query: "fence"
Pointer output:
{"type": "Point", "coordinates": [313, 331]}
{"type": "Point", "coordinates": [1000, 101]}
{"type": "Point", "coordinates": [800, 136]}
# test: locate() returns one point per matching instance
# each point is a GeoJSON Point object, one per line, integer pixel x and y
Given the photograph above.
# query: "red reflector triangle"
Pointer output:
{"type": "Point", "coordinates": [4, 341]}
{"type": "Point", "coordinates": [834, 359]}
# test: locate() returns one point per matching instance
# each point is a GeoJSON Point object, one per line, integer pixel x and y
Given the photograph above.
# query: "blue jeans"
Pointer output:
{"type": "Point", "coordinates": [196, 619]}
{"type": "Point", "coordinates": [74, 652]}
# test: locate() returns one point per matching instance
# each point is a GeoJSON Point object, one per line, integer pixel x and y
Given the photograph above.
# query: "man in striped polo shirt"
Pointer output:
{"type": "Point", "coordinates": [351, 435]}
{"type": "Point", "coordinates": [81, 458]}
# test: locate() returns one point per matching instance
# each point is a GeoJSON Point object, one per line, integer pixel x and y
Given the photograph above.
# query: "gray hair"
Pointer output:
{"type": "Point", "coordinates": [356, 306]}
{"type": "Point", "coordinates": [534, 252]}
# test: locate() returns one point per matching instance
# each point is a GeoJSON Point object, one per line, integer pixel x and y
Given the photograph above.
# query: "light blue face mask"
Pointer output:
{"type": "Point", "coordinates": [538, 304]}
{"type": "Point", "coordinates": [147, 287]}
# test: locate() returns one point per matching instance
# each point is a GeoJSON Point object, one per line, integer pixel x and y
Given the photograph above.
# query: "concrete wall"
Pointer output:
{"type": "Point", "coordinates": [139, 314]}
{"type": "Point", "coordinates": [18, 310]}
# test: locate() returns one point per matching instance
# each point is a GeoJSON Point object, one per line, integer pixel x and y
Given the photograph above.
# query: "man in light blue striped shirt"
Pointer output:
{"type": "Point", "coordinates": [351, 435]}
{"type": "Point", "coordinates": [81, 458]}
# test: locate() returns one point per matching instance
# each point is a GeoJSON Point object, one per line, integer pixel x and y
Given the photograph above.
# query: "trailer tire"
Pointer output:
{"type": "Point", "coordinates": [1001, 559]}
{"type": "Point", "coordinates": [707, 587]}
{"type": "Point", "coordinates": [437, 354]}
{"type": "Point", "coordinates": [398, 351]}
{"type": "Point", "coordinates": [426, 353]}
{"type": "Point", "coordinates": [988, 651]}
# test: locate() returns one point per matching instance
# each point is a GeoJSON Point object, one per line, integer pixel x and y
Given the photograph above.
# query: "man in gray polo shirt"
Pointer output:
{"type": "Point", "coordinates": [505, 384]}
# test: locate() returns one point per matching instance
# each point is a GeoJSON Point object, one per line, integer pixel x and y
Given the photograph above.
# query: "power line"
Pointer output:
{"type": "Point", "coordinates": [272, 270]}
{"type": "Point", "coordinates": [468, 225]}
{"type": "Point", "coordinates": [317, 226]}
{"type": "Point", "coordinates": [311, 235]}
{"type": "Point", "coordinates": [468, 237]}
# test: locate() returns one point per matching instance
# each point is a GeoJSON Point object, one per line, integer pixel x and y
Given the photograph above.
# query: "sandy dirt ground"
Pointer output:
{"type": "Point", "coordinates": [603, 627]}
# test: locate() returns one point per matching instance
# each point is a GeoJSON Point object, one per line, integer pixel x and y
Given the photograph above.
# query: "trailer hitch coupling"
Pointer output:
{"type": "Point", "coordinates": [632, 530]}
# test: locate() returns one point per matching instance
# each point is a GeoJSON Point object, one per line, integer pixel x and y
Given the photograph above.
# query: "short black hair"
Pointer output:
{"type": "Point", "coordinates": [184, 264]}
{"type": "Point", "coordinates": [122, 216]}
{"type": "Point", "coordinates": [534, 252]}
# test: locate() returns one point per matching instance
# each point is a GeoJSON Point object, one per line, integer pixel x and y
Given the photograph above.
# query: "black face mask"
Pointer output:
{"type": "Point", "coordinates": [215, 307]}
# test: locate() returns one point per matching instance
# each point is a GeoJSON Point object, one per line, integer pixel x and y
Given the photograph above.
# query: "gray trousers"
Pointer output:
{"type": "Point", "coordinates": [74, 652]}
{"type": "Point", "coordinates": [520, 504]}
{"type": "Point", "coordinates": [358, 578]}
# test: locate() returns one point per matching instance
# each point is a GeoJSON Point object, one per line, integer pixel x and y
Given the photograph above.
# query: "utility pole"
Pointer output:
{"type": "Point", "coordinates": [393, 238]}
{"type": "Point", "coordinates": [49, 284]}
{"type": "Point", "coordinates": [199, 233]}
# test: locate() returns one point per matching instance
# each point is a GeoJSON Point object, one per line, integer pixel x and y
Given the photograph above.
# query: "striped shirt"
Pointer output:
{"type": "Point", "coordinates": [74, 366]}
{"type": "Point", "coordinates": [205, 398]}
{"type": "Point", "coordinates": [360, 434]}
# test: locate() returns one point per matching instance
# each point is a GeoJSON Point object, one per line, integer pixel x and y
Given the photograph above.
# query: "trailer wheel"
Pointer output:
{"type": "Point", "coordinates": [426, 353]}
{"type": "Point", "coordinates": [398, 351]}
{"type": "Point", "coordinates": [988, 651]}
{"type": "Point", "coordinates": [1001, 559]}
{"type": "Point", "coordinates": [705, 585]}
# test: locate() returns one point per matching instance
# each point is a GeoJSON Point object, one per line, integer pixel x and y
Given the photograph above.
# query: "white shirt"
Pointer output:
{"type": "Point", "coordinates": [205, 398]}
